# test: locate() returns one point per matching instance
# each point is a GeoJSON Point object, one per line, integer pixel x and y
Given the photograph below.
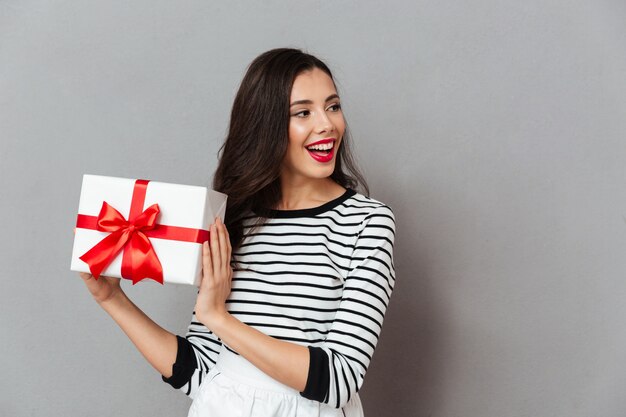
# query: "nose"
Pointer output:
{"type": "Point", "coordinates": [323, 123]}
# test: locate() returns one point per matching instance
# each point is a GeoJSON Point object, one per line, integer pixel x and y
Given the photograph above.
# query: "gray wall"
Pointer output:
{"type": "Point", "coordinates": [494, 129]}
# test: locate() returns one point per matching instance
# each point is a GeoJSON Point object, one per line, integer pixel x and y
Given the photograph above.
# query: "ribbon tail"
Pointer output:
{"type": "Point", "coordinates": [103, 253]}
{"type": "Point", "coordinates": [142, 259]}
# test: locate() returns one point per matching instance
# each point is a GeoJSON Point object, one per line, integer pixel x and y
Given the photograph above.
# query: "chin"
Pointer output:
{"type": "Point", "coordinates": [325, 173]}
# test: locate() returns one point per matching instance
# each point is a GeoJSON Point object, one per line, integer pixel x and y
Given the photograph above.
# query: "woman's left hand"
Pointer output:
{"type": "Point", "coordinates": [216, 276]}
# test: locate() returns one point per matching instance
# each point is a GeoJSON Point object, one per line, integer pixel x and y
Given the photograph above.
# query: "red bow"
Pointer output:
{"type": "Point", "coordinates": [140, 260]}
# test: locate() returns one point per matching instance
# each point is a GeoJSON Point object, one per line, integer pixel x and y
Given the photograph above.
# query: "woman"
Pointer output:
{"type": "Point", "coordinates": [297, 281]}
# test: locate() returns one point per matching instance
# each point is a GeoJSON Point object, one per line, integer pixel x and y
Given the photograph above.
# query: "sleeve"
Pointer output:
{"type": "Point", "coordinates": [197, 354]}
{"type": "Point", "coordinates": [338, 365]}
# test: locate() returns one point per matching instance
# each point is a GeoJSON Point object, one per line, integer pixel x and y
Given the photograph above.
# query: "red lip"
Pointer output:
{"type": "Point", "coordinates": [323, 158]}
{"type": "Point", "coordinates": [321, 142]}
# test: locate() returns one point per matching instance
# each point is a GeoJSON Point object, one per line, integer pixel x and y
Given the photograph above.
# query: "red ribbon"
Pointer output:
{"type": "Point", "coordinates": [139, 260]}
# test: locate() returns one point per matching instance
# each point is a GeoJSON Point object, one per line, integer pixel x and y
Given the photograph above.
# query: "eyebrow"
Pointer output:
{"type": "Point", "coordinates": [330, 97]}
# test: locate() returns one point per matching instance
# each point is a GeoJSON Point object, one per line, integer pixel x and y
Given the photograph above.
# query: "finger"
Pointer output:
{"type": "Point", "coordinates": [223, 245]}
{"type": "Point", "coordinates": [230, 249]}
{"type": "Point", "coordinates": [85, 276]}
{"type": "Point", "coordinates": [215, 248]}
{"type": "Point", "coordinates": [206, 262]}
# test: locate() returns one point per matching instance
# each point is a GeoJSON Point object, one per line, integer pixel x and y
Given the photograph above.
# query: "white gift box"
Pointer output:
{"type": "Point", "coordinates": [181, 208]}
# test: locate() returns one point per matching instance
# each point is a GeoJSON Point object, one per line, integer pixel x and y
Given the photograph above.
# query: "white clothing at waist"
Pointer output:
{"type": "Point", "coordinates": [236, 387]}
{"type": "Point", "coordinates": [240, 369]}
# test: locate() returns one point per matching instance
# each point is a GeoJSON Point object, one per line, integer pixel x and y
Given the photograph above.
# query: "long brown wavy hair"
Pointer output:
{"type": "Point", "coordinates": [256, 144]}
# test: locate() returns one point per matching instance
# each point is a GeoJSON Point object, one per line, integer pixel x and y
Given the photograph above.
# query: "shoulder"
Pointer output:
{"type": "Point", "coordinates": [367, 215]}
{"type": "Point", "coordinates": [369, 207]}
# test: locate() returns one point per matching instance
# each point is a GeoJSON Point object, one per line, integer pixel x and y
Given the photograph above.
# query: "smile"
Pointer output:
{"type": "Point", "coordinates": [323, 150]}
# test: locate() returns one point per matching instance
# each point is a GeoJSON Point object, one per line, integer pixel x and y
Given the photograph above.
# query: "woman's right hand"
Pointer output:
{"type": "Point", "coordinates": [103, 288]}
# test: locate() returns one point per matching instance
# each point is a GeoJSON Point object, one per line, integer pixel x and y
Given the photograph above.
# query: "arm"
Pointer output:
{"type": "Point", "coordinates": [286, 362]}
{"type": "Point", "coordinates": [341, 361]}
{"type": "Point", "coordinates": [156, 344]}
{"type": "Point", "coordinates": [197, 354]}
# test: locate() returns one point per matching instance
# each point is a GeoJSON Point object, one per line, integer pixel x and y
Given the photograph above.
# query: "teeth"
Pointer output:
{"type": "Point", "coordinates": [321, 147]}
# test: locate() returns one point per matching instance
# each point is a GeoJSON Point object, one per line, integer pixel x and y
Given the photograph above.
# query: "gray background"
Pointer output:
{"type": "Point", "coordinates": [494, 129]}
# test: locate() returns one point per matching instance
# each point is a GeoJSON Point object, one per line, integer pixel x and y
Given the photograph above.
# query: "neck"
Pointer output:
{"type": "Point", "coordinates": [309, 193]}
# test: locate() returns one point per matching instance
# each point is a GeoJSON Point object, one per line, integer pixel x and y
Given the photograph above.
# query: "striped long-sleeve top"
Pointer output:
{"type": "Point", "coordinates": [319, 277]}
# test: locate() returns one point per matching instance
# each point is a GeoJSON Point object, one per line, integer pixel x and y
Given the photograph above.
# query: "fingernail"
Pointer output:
{"type": "Point", "coordinates": [219, 220]}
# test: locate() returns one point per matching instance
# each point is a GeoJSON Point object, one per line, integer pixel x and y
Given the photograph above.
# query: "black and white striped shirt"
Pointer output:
{"type": "Point", "coordinates": [319, 277]}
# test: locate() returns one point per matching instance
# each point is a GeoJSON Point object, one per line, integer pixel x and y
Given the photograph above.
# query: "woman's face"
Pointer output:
{"type": "Point", "coordinates": [315, 118]}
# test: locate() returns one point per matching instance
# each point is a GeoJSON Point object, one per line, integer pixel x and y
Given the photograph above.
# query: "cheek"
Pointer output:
{"type": "Point", "coordinates": [340, 124]}
{"type": "Point", "coordinates": [297, 134]}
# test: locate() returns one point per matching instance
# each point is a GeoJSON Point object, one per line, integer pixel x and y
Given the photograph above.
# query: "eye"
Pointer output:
{"type": "Point", "coordinates": [335, 107]}
{"type": "Point", "coordinates": [302, 113]}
